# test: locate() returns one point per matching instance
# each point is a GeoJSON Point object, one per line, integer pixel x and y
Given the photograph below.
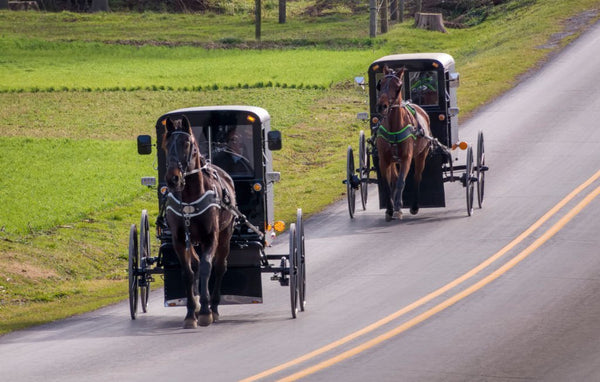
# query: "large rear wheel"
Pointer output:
{"type": "Point", "coordinates": [144, 260]}
{"type": "Point", "coordinates": [133, 266]}
{"type": "Point", "coordinates": [350, 179]}
{"type": "Point", "coordinates": [301, 260]}
{"type": "Point", "coordinates": [293, 270]}
{"type": "Point", "coordinates": [480, 169]}
{"type": "Point", "coordinates": [363, 169]}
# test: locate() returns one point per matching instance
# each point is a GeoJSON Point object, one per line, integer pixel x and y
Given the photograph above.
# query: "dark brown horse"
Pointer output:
{"type": "Point", "coordinates": [402, 136]}
{"type": "Point", "coordinates": [199, 216]}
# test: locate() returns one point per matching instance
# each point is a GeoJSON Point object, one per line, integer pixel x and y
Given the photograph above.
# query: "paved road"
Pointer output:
{"type": "Point", "coordinates": [512, 292]}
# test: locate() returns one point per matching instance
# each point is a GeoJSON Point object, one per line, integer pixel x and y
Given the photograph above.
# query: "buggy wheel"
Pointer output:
{"type": "Point", "coordinates": [133, 265]}
{"type": "Point", "coordinates": [293, 270]}
{"type": "Point", "coordinates": [480, 169]}
{"type": "Point", "coordinates": [144, 259]}
{"type": "Point", "coordinates": [301, 260]}
{"type": "Point", "coordinates": [350, 177]}
{"type": "Point", "coordinates": [363, 169]}
{"type": "Point", "coordinates": [469, 183]}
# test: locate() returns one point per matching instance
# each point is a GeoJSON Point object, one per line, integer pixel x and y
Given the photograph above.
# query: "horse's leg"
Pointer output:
{"type": "Point", "coordinates": [205, 317]}
{"type": "Point", "coordinates": [387, 173]}
{"type": "Point", "coordinates": [404, 167]}
{"type": "Point", "coordinates": [397, 195]}
{"type": "Point", "coordinates": [219, 269]}
{"type": "Point", "coordinates": [189, 262]}
{"type": "Point", "coordinates": [419, 167]}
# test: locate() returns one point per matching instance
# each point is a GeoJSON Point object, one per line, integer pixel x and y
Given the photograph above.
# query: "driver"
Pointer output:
{"type": "Point", "coordinates": [232, 158]}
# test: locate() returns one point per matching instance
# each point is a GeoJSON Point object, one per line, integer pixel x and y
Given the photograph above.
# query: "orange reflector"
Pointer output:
{"type": "Point", "coordinates": [164, 122]}
{"type": "Point", "coordinates": [257, 187]}
{"type": "Point", "coordinates": [435, 64]}
{"type": "Point", "coordinates": [463, 145]}
{"type": "Point", "coordinates": [164, 190]}
{"type": "Point", "coordinates": [251, 119]}
{"type": "Point", "coordinates": [279, 226]}
{"type": "Point", "coordinates": [375, 67]}
{"type": "Point", "coordinates": [375, 120]}
{"type": "Point", "coordinates": [441, 117]}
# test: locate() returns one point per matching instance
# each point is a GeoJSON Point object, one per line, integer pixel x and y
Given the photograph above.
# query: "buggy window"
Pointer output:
{"type": "Point", "coordinates": [229, 147]}
{"type": "Point", "coordinates": [424, 87]}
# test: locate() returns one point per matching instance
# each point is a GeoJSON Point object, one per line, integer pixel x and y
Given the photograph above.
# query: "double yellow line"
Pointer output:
{"type": "Point", "coordinates": [448, 302]}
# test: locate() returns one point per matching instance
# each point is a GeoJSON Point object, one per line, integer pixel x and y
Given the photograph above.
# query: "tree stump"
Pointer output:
{"type": "Point", "coordinates": [430, 21]}
{"type": "Point", "coordinates": [23, 5]}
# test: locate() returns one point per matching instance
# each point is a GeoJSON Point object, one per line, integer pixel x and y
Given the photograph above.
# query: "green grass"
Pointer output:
{"type": "Point", "coordinates": [64, 180]}
{"type": "Point", "coordinates": [74, 174]}
{"type": "Point", "coordinates": [190, 29]}
{"type": "Point", "coordinates": [34, 65]}
{"type": "Point", "coordinates": [72, 106]}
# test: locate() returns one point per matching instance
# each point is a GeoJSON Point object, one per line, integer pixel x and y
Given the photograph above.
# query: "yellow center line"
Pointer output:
{"type": "Point", "coordinates": [452, 300]}
{"type": "Point", "coordinates": [433, 294]}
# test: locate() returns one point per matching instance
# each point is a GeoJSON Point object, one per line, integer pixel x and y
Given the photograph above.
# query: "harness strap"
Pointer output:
{"type": "Point", "coordinates": [190, 210]}
{"type": "Point", "coordinates": [396, 136]}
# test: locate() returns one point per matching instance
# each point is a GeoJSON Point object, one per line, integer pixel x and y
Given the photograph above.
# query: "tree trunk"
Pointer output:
{"type": "Point", "coordinates": [99, 6]}
{"type": "Point", "coordinates": [394, 10]}
{"type": "Point", "coordinates": [430, 21]}
{"type": "Point", "coordinates": [401, 11]}
{"type": "Point", "coordinates": [384, 16]}
{"type": "Point", "coordinates": [282, 11]}
{"type": "Point", "coordinates": [258, 19]}
{"type": "Point", "coordinates": [372, 18]}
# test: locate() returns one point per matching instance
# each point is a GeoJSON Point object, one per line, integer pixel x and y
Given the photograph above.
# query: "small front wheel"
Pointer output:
{"type": "Point", "coordinates": [469, 183]}
{"type": "Point", "coordinates": [133, 266]}
{"type": "Point", "coordinates": [350, 180]}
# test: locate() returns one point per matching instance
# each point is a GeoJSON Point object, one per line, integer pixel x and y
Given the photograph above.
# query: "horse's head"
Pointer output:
{"type": "Point", "coordinates": [390, 89]}
{"type": "Point", "coordinates": [182, 152]}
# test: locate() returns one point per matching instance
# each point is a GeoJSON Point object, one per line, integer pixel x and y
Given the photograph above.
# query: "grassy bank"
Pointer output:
{"type": "Point", "coordinates": [72, 106]}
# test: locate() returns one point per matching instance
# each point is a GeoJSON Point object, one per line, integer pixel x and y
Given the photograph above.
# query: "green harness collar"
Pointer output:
{"type": "Point", "coordinates": [396, 136]}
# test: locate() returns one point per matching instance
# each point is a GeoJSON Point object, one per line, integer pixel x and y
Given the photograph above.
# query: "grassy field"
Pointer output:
{"type": "Point", "coordinates": [74, 97]}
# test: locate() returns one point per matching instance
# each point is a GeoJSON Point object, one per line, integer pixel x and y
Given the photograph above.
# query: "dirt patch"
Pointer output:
{"type": "Point", "coordinates": [25, 270]}
{"type": "Point", "coordinates": [572, 26]}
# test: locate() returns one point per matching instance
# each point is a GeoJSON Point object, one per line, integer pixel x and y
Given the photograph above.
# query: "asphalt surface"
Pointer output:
{"type": "Point", "coordinates": [512, 292]}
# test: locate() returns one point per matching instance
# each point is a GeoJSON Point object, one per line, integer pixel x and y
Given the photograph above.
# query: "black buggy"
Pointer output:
{"type": "Point", "coordinates": [239, 140]}
{"type": "Point", "coordinates": [430, 81]}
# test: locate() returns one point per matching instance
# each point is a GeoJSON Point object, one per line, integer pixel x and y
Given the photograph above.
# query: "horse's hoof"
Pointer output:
{"type": "Point", "coordinates": [205, 319]}
{"type": "Point", "coordinates": [388, 217]}
{"type": "Point", "coordinates": [215, 316]}
{"type": "Point", "coordinates": [397, 215]}
{"type": "Point", "coordinates": [414, 210]}
{"type": "Point", "coordinates": [190, 324]}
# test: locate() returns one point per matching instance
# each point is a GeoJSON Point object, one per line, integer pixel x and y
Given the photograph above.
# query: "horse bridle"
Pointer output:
{"type": "Point", "coordinates": [172, 150]}
{"type": "Point", "coordinates": [395, 104]}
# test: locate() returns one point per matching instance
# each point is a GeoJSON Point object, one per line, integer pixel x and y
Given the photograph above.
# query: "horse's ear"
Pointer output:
{"type": "Point", "coordinates": [185, 124]}
{"type": "Point", "coordinates": [169, 125]}
{"type": "Point", "coordinates": [401, 72]}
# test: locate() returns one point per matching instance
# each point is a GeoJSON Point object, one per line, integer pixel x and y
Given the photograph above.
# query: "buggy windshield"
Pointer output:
{"type": "Point", "coordinates": [423, 87]}
{"type": "Point", "coordinates": [228, 146]}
